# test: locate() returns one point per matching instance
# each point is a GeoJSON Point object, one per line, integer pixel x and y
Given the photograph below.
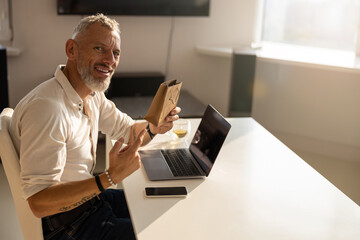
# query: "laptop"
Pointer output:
{"type": "Point", "coordinates": [195, 161]}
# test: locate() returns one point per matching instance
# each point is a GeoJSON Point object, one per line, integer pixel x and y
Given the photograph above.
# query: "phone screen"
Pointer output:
{"type": "Point", "coordinates": [165, 191]}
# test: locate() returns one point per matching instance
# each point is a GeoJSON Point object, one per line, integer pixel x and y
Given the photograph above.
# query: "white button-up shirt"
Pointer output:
{"type": "Point", "coordinates": [55, 139]}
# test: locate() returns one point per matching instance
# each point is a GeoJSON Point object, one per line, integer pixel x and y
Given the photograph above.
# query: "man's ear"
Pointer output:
{"type": "Point", "coordinates": [71, 49]}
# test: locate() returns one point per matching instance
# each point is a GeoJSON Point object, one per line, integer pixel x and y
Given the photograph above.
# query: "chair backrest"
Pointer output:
{"type": "Point", "coordinates": [30, 225]}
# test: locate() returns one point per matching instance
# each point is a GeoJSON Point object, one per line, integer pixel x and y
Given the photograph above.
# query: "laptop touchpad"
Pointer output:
{"type": "Point", "coordinates": [155, 165]}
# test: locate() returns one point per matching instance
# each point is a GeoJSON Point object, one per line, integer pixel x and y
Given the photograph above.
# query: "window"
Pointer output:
{"type": "Point", "coordinates": [331, 24]}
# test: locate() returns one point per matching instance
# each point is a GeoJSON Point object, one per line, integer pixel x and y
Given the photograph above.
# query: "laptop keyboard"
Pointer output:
{"type": "Point", "coordinates": [180, 163]}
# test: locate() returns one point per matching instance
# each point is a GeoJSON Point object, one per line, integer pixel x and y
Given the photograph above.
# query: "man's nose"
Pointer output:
{"type": "Point", "coordinates": [109, 58]}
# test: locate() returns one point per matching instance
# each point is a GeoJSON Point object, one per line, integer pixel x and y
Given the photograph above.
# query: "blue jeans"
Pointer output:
{"type": "Point", "coordinates": [107, 219]}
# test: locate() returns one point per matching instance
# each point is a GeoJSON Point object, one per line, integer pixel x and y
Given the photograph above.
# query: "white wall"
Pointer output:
{"type": "Point", "coordinates": [42, 35]}
{"type": "Point", "coordinates": [231, 23]}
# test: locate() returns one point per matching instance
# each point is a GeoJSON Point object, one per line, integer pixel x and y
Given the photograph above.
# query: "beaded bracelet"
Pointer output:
{"type": "Point", "coordinates": [109, 178]}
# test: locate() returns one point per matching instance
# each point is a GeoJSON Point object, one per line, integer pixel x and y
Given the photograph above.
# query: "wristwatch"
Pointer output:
{"type": "Point", "coordinates": [149, 132]}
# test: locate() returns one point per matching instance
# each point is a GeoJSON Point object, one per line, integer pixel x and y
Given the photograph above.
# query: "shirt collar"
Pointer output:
{"type": "Point", "coordinates": [68, 89]}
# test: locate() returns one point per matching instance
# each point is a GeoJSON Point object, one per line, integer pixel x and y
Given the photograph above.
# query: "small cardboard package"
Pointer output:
{"type": "Point", "coordinates": [164, 101]}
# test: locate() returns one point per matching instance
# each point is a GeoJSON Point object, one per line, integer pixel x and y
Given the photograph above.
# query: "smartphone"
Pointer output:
{"type": "Point", "coordinates": [165, 192]}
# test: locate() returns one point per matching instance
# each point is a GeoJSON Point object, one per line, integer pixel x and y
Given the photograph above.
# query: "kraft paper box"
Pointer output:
{"type": "Point", "coordinates": [164, 101]}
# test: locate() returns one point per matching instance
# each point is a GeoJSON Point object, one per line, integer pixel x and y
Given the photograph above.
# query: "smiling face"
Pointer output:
{"type": "Point", "coordinates": [98, 56]}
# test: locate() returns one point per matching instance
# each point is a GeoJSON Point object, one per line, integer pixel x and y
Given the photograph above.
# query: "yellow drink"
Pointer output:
{"type": "Point", "coordinates": [180, 132]}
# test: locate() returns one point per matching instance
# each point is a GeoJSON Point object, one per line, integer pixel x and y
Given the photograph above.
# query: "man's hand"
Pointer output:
{"type": "Point", "coordinates": [124, 162]}
{"type": "Point", "coordinates": [173, 116]}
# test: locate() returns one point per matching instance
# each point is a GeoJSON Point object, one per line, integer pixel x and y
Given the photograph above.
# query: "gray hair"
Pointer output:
{"type": "Point", "coordinates": [105, 21]}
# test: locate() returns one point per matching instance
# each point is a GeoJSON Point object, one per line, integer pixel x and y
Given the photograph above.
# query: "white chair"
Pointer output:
{"type": "Point", "coordinates": [30, 225]}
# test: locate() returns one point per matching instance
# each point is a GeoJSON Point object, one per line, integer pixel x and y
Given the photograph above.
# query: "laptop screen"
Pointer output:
{"type": "Point", "coordinates": [209, 138]}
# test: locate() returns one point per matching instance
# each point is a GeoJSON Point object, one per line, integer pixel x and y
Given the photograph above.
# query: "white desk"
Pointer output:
{"type": "Point", "coordinates": [258, 189]}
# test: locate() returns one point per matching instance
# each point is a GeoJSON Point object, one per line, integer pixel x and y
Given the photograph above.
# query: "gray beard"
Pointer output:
{"type": "Point", "coordinates": [93, 84]}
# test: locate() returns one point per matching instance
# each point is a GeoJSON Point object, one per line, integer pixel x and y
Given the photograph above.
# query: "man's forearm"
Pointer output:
{"type": "Point", "coordinates": [135, 131]}
{"type": "Point", "coordinates": [65, 196]}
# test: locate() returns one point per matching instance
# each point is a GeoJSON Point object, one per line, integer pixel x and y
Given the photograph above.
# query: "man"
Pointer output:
{"type": "Point", "coordinates": [55, 127]}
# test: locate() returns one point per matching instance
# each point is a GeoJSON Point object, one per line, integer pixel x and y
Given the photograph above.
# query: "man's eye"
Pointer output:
{"type": "Point", "coordinates": [116, 54]}
{"type": "Point", "coordinates": [98, 48]}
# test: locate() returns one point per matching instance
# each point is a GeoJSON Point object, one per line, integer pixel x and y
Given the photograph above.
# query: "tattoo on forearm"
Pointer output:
{"type": "Point", "coordinates": [83, 200]}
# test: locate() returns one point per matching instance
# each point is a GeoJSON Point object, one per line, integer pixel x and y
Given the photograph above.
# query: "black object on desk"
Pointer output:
{"type": "Point", "coordinates": [137, 107]}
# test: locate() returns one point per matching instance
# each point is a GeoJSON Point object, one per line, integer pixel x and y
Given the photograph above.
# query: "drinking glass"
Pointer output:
{"type": "Point", "coordinates": [181, 129]}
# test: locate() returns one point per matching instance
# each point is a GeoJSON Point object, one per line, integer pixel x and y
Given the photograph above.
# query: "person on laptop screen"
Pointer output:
{"type": "Point", "coordinates": [55, 128]}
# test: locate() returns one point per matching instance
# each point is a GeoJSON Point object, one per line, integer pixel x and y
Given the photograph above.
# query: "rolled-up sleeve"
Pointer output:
{"type": "Point", "coordinates": [43, 146]}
